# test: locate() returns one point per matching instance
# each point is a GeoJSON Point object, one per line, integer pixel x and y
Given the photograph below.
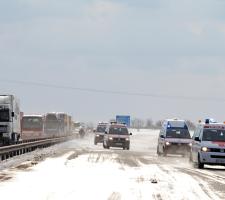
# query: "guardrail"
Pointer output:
{"type": "Point", "coordinates": [18, 149]}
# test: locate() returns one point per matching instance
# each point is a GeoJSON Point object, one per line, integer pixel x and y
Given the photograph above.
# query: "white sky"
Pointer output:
{"type": "Point", "coordinates": [170, 48]}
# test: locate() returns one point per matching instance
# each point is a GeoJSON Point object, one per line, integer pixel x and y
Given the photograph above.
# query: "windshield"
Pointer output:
{"type": "Point", "coordinates": [32, 123]}
{"type": "Point", "coordinates": [101, 129]}
{"type": "Point", "coordinates": [213, 135]}
{"type": "Point", "coordinates": [4, 115]}
{"type": "Point", "coordinates": [51, 125]}
{"type": "Point", "coordinates": [118, 131]}
{"type": "Point", "coordinates": [51, 117]}
{"type": "Point", "coordinates": [178, 133]}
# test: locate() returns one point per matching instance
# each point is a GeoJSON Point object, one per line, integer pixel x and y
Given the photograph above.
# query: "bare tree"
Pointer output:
{"type": "Point", "coordinates": [149, 123]}
{"type": "Point", "coordinates": [158, 124]}
{"type": "Point", "coordinates": [137, 123]}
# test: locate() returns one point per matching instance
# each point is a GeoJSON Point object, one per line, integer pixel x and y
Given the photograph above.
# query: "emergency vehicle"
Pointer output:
{"type": "Point", "coordinates": [174, 138]}
{"type": "Point", "coordinates": [208, 144]}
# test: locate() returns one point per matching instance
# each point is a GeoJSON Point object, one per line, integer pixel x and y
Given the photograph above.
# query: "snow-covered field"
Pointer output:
{"type": "Point", "coordinates": [80, 170]}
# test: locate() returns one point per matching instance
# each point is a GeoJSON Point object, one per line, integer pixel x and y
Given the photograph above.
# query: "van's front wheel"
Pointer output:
{"type": "Point", "coordinates": [158, 153]}
{"type": "Point", "coordinates": [199, 164]}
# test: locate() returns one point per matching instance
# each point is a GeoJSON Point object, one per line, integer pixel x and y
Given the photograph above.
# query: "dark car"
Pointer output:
{"type": "Point", "coordinates": [116, 135]}
{"type": "Point", "coordinates": [99, 133]}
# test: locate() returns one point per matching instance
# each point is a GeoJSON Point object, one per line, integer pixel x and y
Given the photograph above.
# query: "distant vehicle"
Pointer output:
{"type": "Point", "coordinates": [99, 133]}
{"type": "Point", "coordinates": [52, 126]}
{"type": "Point", "coordinates": [174, 138]}
{"type": "Point", "coordinates": [69, 125]}
{"type": "Point", "coordinates": [208, 144]}
{"type": "Point", "coordinates": [10, 121]}
{"type": "Point", "coordinates": [123, 119]}
{"type": "Point", "coordinates": [116, 135]}
{"type": "Point", "coordinates": [79, 129]}
{"type": "Point", "coordinates": [65, 123]}
{"type": "Point", "coordinates": [32, 127]}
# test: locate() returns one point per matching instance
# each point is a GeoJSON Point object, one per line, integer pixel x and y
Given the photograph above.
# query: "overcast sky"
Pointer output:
{"type": "Point", "coordinates": [171, 50]}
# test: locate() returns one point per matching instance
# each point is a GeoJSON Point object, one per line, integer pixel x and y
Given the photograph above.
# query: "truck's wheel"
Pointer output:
{"type": "Point", "coordinates": [104, 145]}
{"type": "Point", "coordinates": [164, 152]}
{"type": "Point", "coordinates": [190, 157]}
{"type": "Point", "coordinates": [158, 153]}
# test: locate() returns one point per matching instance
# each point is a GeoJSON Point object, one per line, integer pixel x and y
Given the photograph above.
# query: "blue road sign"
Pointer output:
{"type": "Point", "coordinates": [123, 119]}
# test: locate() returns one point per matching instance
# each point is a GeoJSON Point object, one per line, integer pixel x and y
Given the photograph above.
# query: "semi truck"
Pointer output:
{"type": "Point", "coordinates": [10, 120]}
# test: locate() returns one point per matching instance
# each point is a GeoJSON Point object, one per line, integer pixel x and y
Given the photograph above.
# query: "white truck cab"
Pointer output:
{"type": "Point", "coordinates": [208, 144]}
{"type": "Point", "coordinates": [10, 121]}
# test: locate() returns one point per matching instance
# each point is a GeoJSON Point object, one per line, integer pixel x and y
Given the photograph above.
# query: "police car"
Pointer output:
{"type": "Point", "coordinates": [174, 138]}
{"type": "Point", "coordinates": [99, 132]}
{"type": "Point", "coordinates": [116, 135]}
{"type": "Point", "coordinates": [208, 144]}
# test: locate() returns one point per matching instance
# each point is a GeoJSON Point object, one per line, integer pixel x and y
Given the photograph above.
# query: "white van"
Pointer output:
{"type": "Point", "coordinates": [208, 144]}
{"type": "Point", "coordinates": [174, 138]}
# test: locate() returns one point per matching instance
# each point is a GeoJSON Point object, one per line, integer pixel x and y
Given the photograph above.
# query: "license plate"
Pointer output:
{"type": "Point", "coordinates": [220, 160]}
{"type": "Point", "coordinates": [118, 143]}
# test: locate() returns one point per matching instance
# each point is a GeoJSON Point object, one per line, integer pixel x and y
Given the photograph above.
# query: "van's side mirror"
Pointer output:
{"type": "Point", "coordinates": [162, 136]}
{"type": "Point", "coordinates": [197, 139]}
{"type": "Point", "coordinates": [130, 133]}
{"type": "Point", "coordinates": [105, 132]}
{"type": "Point", "coordinates": [94, 130]}
{"type": "Point", "coordinates": [13, 114]}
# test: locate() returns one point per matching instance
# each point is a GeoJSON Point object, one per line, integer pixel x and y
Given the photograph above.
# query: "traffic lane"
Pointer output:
{"type": "Point", "coordinates": [147, 167]}
{"type": "Point", "coordinates": [143, 151]}
{"type": "Point", "coordinates": [129, 174]}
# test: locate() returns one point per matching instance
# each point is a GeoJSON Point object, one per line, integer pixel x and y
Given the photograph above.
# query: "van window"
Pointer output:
{"type": "Point", "coordinates": [101, 129]}
{"type": "Point", "coordinates": [178, 133]}
{"type": "Point", "coordinates": [213, 135]}
{"type": "Point", "coordinates": [118, 130]}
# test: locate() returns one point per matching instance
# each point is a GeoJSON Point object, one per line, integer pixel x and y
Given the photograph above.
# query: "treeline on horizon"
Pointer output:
{"type": "Point", "coordinates": [138, 123]}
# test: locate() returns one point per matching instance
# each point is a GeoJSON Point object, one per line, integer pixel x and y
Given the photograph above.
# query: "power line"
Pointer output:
{"type": "Point", "coordinates": [114, 92]}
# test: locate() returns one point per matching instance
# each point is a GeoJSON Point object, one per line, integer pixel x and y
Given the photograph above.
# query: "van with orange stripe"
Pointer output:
{"type": "Point", "coordinates": [208, 144]}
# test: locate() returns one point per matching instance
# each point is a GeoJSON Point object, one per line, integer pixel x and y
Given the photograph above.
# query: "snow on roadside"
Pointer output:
{"type": "Point", "coordinates": [92, 177]}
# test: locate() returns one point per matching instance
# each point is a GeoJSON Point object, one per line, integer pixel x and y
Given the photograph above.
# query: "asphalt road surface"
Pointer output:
{"type": "Point", "coordinates": [79, 169]}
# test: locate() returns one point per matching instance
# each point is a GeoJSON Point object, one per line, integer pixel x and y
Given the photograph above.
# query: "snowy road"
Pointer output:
{"type": "Point", "coordinates": [80, 170]}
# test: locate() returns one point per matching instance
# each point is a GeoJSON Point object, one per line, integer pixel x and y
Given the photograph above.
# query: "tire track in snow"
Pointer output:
{"type": "Point", "coordinates": [213, 181]}
{"type": "Point", "coordinates": [175, 184]}
{"type": "Point", "coordinates": [115, 196]}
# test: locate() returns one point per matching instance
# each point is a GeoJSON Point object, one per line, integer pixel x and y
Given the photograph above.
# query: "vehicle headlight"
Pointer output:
{"type": "Point", "coordinates": [127, 139]}
{"type": "Point", "coordinates": [97, 135]}
{"type": "Point", "coordinates": [110, 138]}
{"type": "Point", "coordinates": [167, 143]}
{"type": "Point", "coordinates": [205, 149]}
{"type": "Point", "coordinates": [190, 144]}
